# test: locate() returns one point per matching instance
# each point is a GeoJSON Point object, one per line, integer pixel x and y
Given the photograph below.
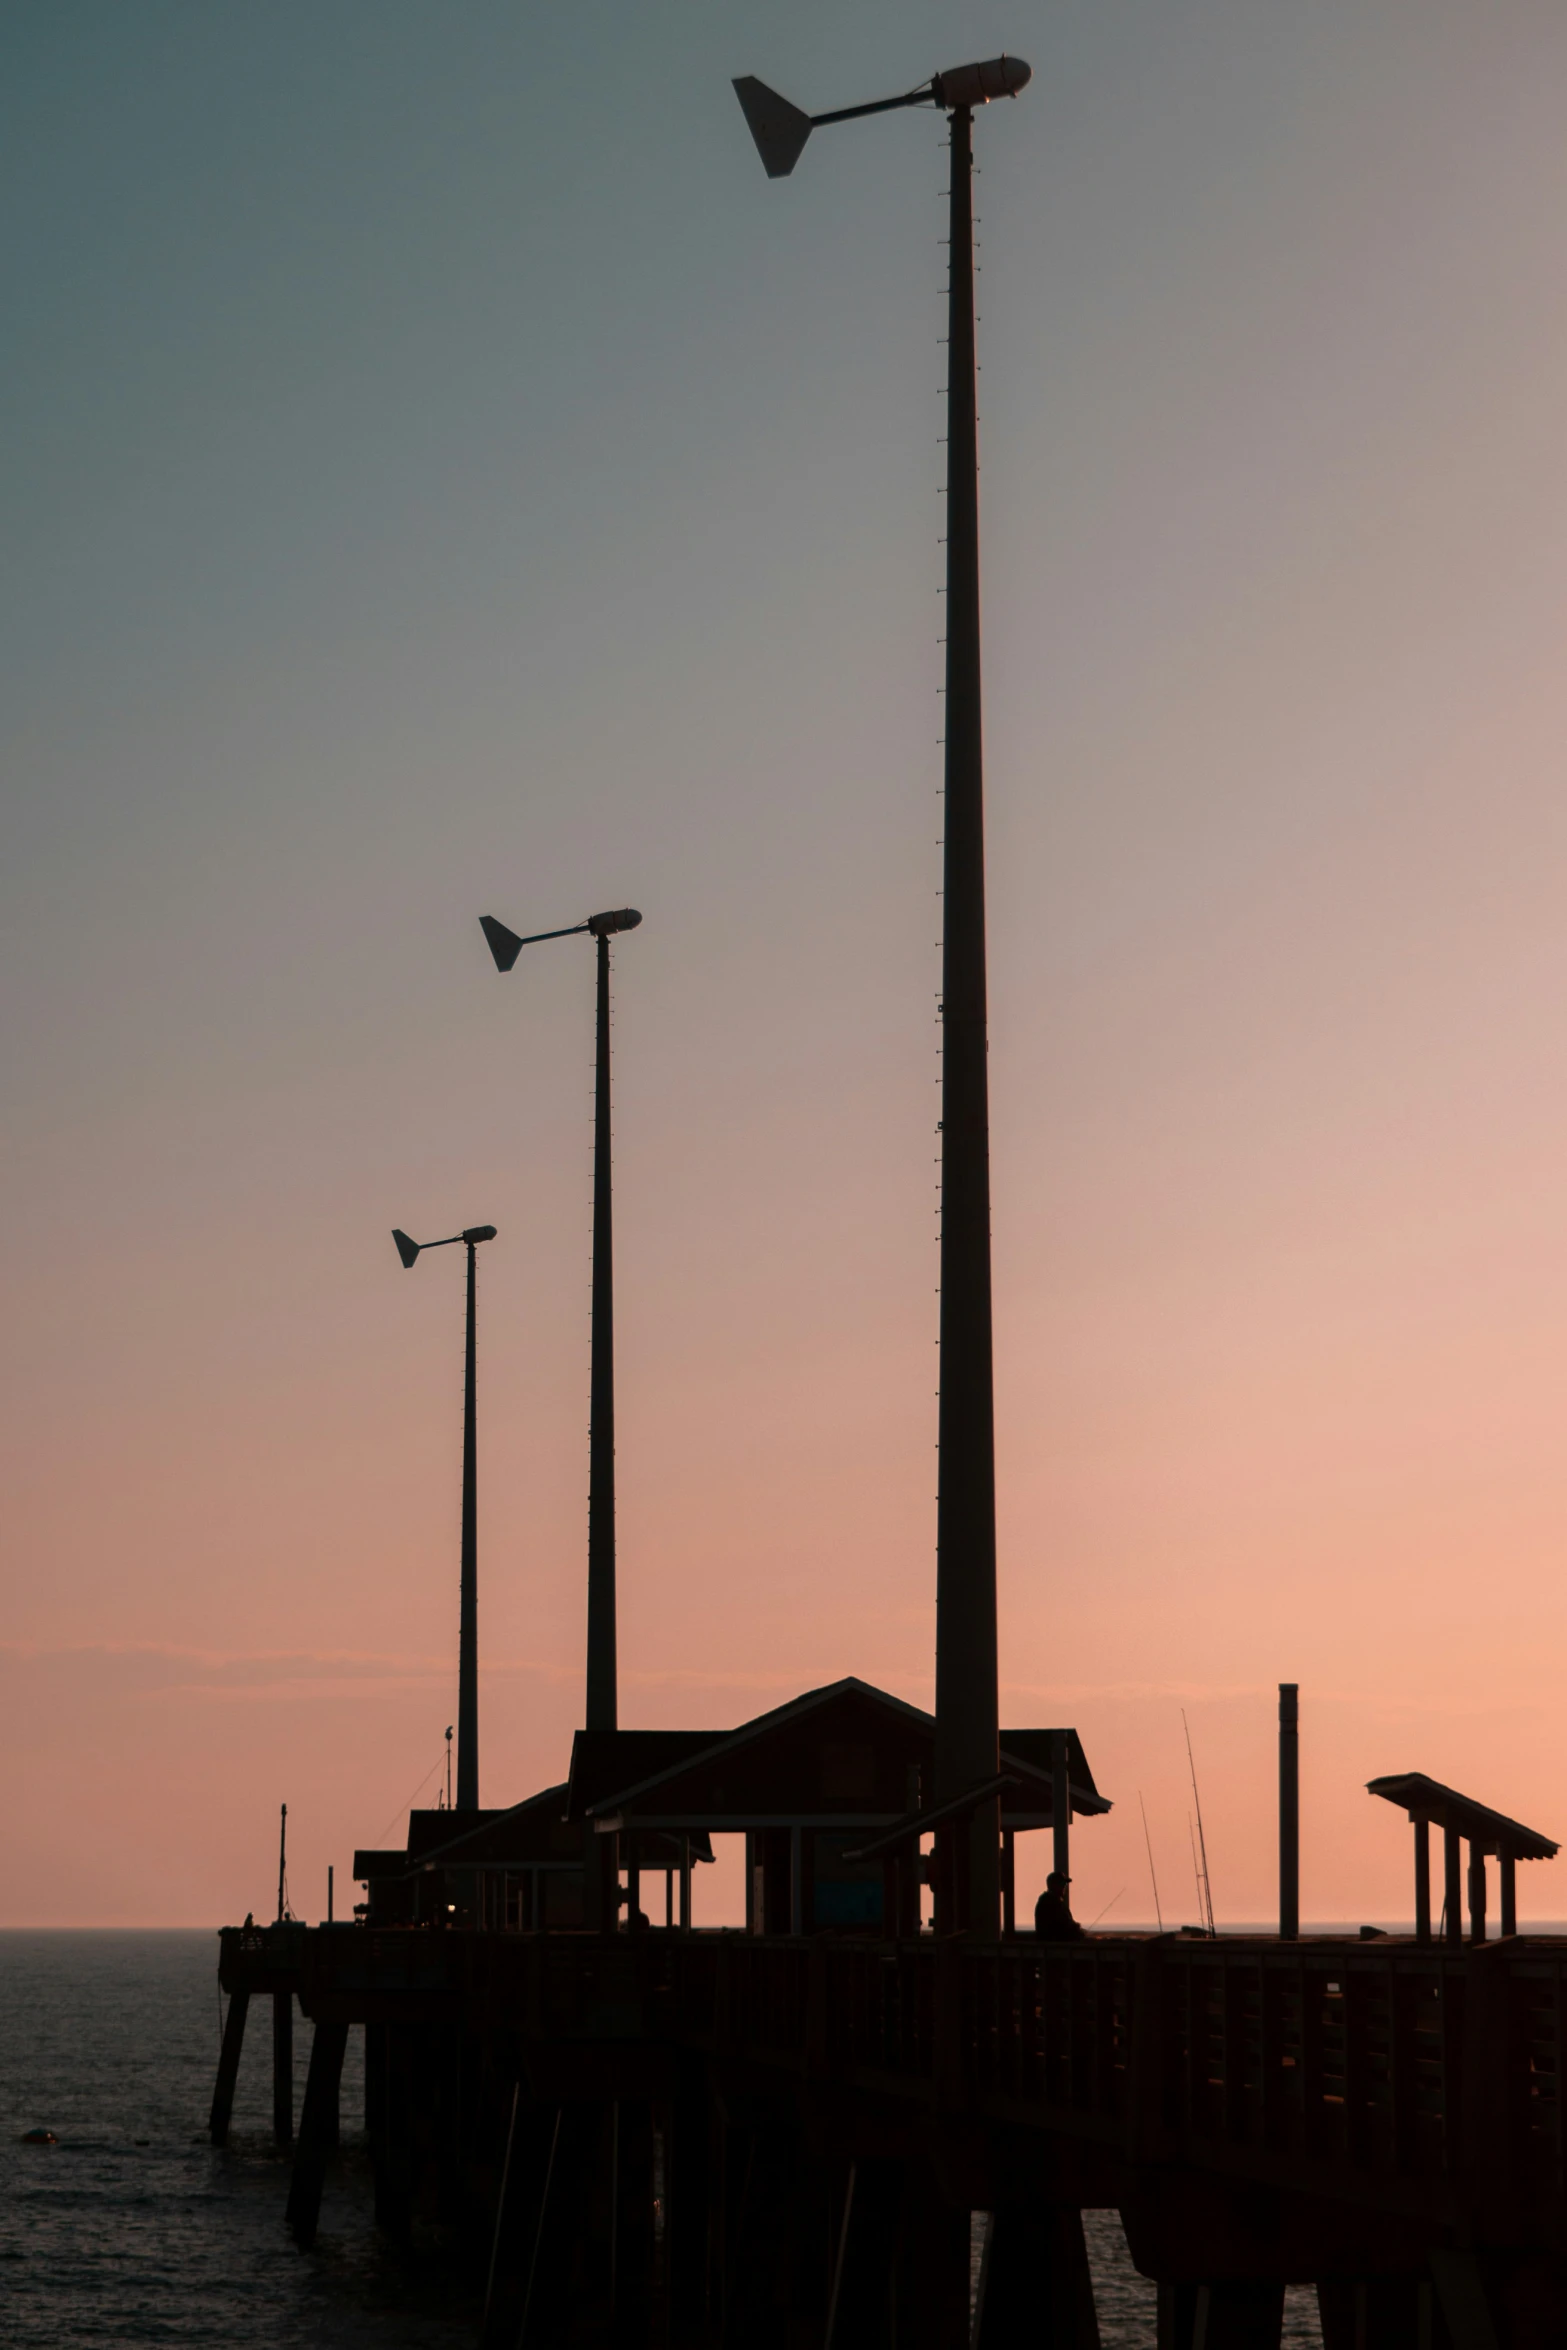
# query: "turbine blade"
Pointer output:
{"type": "Point", "coordinates": [407, 1249]}
{"type": "Point", "coordinates": [779, 129]}
{"type": "Point", "coordinates": [504, 944]}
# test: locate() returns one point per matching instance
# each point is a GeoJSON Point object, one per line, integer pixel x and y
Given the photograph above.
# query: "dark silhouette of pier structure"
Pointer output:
{"type": "Point", "coordinates": [791, 2136]}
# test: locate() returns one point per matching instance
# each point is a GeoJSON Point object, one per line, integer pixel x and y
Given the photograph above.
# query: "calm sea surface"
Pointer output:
{"type": "Point", "coordinates": [133, 2229]}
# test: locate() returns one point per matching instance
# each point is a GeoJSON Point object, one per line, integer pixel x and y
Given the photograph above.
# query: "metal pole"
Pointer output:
{"type": "Point", "coordinates": [282, 1859]}
{"type": "Point", "coordinates": [329, 1892]}
{"type": "Point", "coordinates": [1289, 1811]}
{"type": "Point", "coordinates": [468, 1634]}
{"type": "Point", "coordinates": [967, 1746]}
{"type": "Point", "coordinates": [602, 1712]}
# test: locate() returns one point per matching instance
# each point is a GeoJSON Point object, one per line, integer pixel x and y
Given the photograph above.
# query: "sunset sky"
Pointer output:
{"type": "Point", "coordinates": [442, 475]}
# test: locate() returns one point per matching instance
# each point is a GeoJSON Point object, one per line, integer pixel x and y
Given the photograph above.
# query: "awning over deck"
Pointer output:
{"type": "Point", "coordinates": [1482, 1829]}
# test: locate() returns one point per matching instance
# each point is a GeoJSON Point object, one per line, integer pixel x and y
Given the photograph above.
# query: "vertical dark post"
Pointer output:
{"type": "Point", "coordinates": [1508, 1871]}
{"type": "Point", "coordinates": [1452, 1886]}
{"type": "Point", "coordinates": [1060, 1806]}
{"type": "Point", "coordinates": [967, 1748]}
{"type": "Point", "coordinates": [1289, 1811]}
{"type": "Point", "coordinates": [468, 1633]}
{"type": "Point", "coordinates": [1008, 1882]}
{"type": "Point", "coordinates": [329, 1892]}
{"type": "Point", "coordinates": [228, 2067]}
{"type": "Point", "coordinates": [602, 1713]}
{"type": "Point", "coordinates": [283, 2067]}
{"type": "Point", "coordinates": [1422, 1880]}
{"type": "Point", "coordinates": [1476, 1891]}
{"type": "Point", "coordinates": [282, 1860]}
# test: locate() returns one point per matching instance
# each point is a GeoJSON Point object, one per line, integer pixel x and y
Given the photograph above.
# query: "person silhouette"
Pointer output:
{"type": "Point", "coordinates": [1053, 1919]}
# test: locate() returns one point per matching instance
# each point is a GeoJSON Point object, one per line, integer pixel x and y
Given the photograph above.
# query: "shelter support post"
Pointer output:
{"type": "Point", "coordinates": [228, 2067]}
{"type": "Point", "coordinates": [1422, 1880]}
{"type": "Point", "coordinates": [1507, 1869]}
{"type": "Point", "coordinates": [1008, 1882]}
{"type": "Point", "coordinates": [1060, 1805]}
{"type": "Point", "coordinates": [1452, 1887]}
{"type": "Point", "coordinates": [1476, 1892]}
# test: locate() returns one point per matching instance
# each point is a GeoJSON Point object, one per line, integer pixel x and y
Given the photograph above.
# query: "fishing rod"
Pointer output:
{"type": "Point", "coordinates": [1152, 1872]}
{"type": "Point", "coordinates": [1206, 1887]}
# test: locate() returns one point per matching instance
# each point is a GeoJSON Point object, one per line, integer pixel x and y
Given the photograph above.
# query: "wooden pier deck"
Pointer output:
{"type": "Point", "coordinates": [1381, 2119]}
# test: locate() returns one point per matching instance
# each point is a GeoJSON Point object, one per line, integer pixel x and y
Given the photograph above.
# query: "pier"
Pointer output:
{"type": "Point", "coordinates": [714, 2138]}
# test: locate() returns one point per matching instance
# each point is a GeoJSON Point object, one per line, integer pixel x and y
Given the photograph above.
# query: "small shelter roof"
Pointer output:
{"type": "Point", "coordinates": [1487, 1830]}
{"type": "Point", "coordinates": [532, 1834]}
{"type": "Point", "coordinates": [605, 1761]}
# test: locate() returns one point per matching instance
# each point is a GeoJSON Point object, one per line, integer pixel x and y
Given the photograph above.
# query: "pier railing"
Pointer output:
{"type": "Point", "coordinates": [1399, 2072]}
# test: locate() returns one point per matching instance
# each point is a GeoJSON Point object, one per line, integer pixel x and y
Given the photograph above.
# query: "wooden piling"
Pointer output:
{"type": "Point", "coordinates": [1508, 1871]}
{"type": "Point", "coordinates": [860, 2307]}
{"type": "Point", "coordinates": [318, 2130]}
{"type": "Point", "coordinates": [1035, 2290]}
{"type": "Point", "coordinates": [228, 2067]}
{"type": "Point", "coordinates": [283, 2067]}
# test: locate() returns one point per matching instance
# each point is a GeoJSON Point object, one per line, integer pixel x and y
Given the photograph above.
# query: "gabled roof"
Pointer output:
{"type": "Point", "coordinates": [719, 1748]}
{"type": "Point", "coordinates": [864, 1774]}
{"type": "Point", "coordinates": [1491, 1831]}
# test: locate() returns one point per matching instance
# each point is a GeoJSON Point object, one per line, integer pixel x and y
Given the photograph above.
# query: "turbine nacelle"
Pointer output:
{"type": "Point", "coordinates": [781, 129]}
{"type": "Point", "coordinates": [506, 946]}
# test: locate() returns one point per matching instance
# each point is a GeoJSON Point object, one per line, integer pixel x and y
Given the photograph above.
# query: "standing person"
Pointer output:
{"type": "Point", "coordinates": [1053, 1919]}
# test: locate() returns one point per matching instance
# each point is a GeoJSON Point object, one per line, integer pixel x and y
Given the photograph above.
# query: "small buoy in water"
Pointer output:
{"type": "Point", "coordinates": [39, 2138]}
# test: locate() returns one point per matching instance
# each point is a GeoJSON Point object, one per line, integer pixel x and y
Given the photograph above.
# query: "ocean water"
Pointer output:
{"type": "Point", "coordinates": [133, 2229]}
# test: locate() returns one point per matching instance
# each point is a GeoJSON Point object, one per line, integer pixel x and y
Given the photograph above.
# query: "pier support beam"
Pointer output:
{"type": "Point", "coordinates": [318, 2126]}
{"type": "Point", "coordinates": [561, 2253]}
{"type": "Point", "coordinates": [931, 2310]}
{"type": "Point", "coordinates": [228, 2067]}
{"type": "Point", "coordinates": [1229, 2314]}
{"type": "Point", "coordinates": [283, 2067]}
{"type": "Point", "coordinates": [1035, 2291]}
{"type": "Point", "coordinates": [859, 2314]}
{"type": "Point", "coordinates": [1452, 1888]}
{"type": "Point", "coordinates": [1393, 2313]}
